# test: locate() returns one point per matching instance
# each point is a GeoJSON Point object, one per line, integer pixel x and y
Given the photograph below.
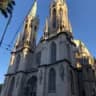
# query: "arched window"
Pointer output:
{"type": "Point", "coordinates": [72, 82]}
{"type": "Point", "coordinates": [68, 51]}
{"type": "Point", "coordinates": [11, 86]}
{"type": "Point", "coordinates": [31, 87]}
{"type": "Point", "coordinates": [54, 18]}
{"type": "Point", "coordinates": [61, 12]}
{"type": "Point", "coordinates": [52, 80]}
{"type": "Point", "coordinates": [38, 58]}
{"type": "Point", "coordinates": [53, 52]}
{"type": "Point", "coordinates": [35, 28]}
{"type": "Point", "coordinates": [17, 61]}
{"type": "Point", "coordinates": [61, 70]}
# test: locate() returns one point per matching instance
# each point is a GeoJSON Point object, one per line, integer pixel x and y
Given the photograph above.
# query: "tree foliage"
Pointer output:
{"type": "Point", "coordinates": [6, 7]}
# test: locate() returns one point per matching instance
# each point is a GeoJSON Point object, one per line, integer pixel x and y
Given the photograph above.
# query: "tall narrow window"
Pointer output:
{"type": "Point", "coordinates": [31, 87]}
{"type": "Point", "coordinates": [38, 58]}
{"type": "Point", "coordinates": [61, 14]}
{"type": "Point", "coordinates": [11, 86]}
{"type": "Point", "coordinates": [54, 18]}
{"type": "Point", "coordinates": [52, 80]}
{"type": "Point", "coordinates": [17, 61]}
{"type": "Point", "coordinates": [68, 51]}
{"type": "Point", "coordinates": [72, 82]}
{"type": "Point", "coordinates": [61, 70]}
{"type": "Point", "coordinates": [80, 83]}
{"type": "Point", "coordinates": [53, 52]}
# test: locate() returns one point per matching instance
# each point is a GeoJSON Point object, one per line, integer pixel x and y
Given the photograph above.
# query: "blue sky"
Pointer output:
{"type": "Point", "coordinates": [82, 15]}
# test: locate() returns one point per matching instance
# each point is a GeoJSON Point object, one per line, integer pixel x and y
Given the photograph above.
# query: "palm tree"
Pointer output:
{"type": "Point", "coordinates": [6, 6]}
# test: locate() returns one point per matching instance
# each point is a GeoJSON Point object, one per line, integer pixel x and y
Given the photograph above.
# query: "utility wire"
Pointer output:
{"type": "Point", "coordinates": [12, 41]}
{"type": "Point", "coordinates": [5, 30]}
{"type": "Point", "coordinates": [5, 48]}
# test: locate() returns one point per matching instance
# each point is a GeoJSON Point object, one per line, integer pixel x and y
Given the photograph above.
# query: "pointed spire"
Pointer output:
{"type": "Point", "coordinates": [46, 29]}
{"type": "Point", "coordinates": [60, 1]}
{"type": "Point", "coordinates": [33, 10]}
{"type": "Point", "coordinates": [70, 27]}
{"type": "Point", "coordinates": [46, 26]}
{"type": "Point", "coordinates": [18, 40]}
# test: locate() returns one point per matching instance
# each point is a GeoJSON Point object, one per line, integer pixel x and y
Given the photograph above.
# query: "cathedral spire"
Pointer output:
{"type": "Point", "coordinates": [62, 1]}
{"type": "Point", "coordinates": [18, 40]}
{"type": "Point", "coordinates": [31, 27]}
{"type": "Point", "coordinates": [58, 19]}
{"type": "Point", "coordinates": [46, 29]}
{"type": "Point", "coordinates": [28, 35]}
{"type": "Point", "coordinates": [33, 10]}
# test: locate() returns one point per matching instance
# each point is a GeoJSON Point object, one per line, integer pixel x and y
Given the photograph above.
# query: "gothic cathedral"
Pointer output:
{"type": "Point", "coordinates": [57, 66]}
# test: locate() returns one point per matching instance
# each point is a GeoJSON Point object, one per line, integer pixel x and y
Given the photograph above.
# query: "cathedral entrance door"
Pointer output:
{"type": "Point", "coordinates": [31, 87]}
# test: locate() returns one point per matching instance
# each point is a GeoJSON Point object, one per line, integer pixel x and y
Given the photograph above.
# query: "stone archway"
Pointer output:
{"type": "Point", "coordinates": [31, 87]}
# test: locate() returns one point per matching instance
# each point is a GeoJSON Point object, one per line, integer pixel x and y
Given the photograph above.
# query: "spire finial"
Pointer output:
{"type": "Point", "coordinates": [46, 26]}
{"type": "Point", "coordinates": [59, 0]}
{"type": "Point", "coordinates": [33, 10]}
{"type": "Point", "coordinates": [46, 29]}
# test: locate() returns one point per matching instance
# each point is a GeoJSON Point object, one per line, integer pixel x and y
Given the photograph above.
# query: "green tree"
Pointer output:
{"type": "Point", "coordinates": [6, 7]}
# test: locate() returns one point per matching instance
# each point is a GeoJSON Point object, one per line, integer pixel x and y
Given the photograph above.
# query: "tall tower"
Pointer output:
{"type": "Point", "coordinates": [58, 19]}
{"type": "Point", "coordinates": [22, 56]}
{"type": "Point", "coordinates": [57, 54]}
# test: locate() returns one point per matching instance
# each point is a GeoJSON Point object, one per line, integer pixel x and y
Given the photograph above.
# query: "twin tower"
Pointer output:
{"type": "Point", "coordinates": [45, 69]}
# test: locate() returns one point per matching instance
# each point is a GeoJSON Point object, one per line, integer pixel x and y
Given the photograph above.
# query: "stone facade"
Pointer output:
{"type": "Point", "coordinates": [1, 87]}
{"type": "Point", "coordinates": [51, 68]}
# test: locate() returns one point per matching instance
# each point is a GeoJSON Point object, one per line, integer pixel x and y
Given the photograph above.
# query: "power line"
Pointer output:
{"type": "Point", "coordinates": [5, 30]}
{"type": "Point", "coordinates": [8, 46]}
{"type": "Point", "coordinates": [5, 48]}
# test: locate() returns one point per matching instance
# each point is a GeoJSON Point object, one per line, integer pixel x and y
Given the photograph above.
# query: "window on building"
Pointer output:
{"type": "Point", "coordinates": [17, 61]}
{"type": "Point", "coordinates": [83, 93]}
{"type": "Point", "coordinates": [72, 82]}
{"type": "Point", "coordinates": [61, 70]}
{"type": "Point", "coordinates": [53, 52]}
{"type": "Point", "coordinates": [68, 51]}
{"type": "Point", "coordinates": [93, 92]}
{"type": "Point", "coordinates": [31, 87]}
{"type": "Point", "coordinates": [35, 28]}
{"type": "Point", "coordinates": [23, 35]}
{"type": "Point", "coordinates": [52, 80]}
{"type": "Point", "coordinates": [31, 24]}
{"type": "Point", "coordinates": [26, 25]}
{"type": "Point", "coordinates": [61, 12]}
{"type": "Point", "coordinates": [38, 58]}
{"type": "Point", "coordinates": [54, 18]}
{"type": "Point", "coordinates": [84, 60]}
{"type": "Point", "coordinates": [17, 81]}
{"type": "Point", "coordinates": [11, 86]}
{"type": "Point", "coordinates": [79, 82]}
